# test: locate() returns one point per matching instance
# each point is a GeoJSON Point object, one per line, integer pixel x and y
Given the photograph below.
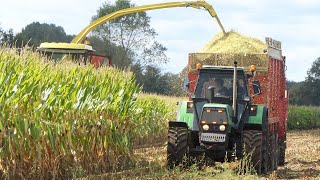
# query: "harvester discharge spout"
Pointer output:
{"type": "Point", "coordinates": [194, 4]}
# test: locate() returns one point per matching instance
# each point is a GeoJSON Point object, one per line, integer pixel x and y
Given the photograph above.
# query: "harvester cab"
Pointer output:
{"type": "Point", "coordinates": [79, 53]}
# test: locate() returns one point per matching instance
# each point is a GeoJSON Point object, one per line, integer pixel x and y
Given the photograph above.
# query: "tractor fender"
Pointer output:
{"type": "Point", "coordinates": [258, 118]}
{"type": "Point", "coordinates": [185, 114]}
{"type": "Point", "coordinates": [177, 124]}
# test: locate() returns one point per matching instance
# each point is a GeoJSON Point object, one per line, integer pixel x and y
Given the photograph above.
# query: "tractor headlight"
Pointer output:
{"type": "Point", "coordinates": [205, 127]}
{"type": "Point", "coordinates": [222, 128]}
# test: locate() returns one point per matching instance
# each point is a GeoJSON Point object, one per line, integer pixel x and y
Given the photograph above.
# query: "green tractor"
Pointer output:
{"type": "Point", "coordinates": [221, 122]}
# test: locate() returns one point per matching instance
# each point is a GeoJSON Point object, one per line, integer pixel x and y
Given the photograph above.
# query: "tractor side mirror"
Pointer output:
{"type": "Point", "coordinates": [186, 85]}
{"type": "Point", "coordinates": [256, 88]}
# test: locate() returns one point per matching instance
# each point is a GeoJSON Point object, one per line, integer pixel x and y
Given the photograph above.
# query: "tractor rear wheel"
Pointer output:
{"type": "Point", "coordinates": [253, 145]}
{"type": "Point", "coordinates": [177, 147]}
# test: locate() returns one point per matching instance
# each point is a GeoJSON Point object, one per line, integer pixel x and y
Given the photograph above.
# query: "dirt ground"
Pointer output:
{"type": "Point", "coordinates": [302, 158]}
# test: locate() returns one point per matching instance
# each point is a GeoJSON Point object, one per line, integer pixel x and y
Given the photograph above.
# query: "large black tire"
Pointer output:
{"type": "Point", "coordinates": [265, 145]}
{"type": "Point", "coordinates": [271, 152]}
{"type": "Point", "coordinates": [264, 165]}
{"type": "Point", "coordinates": [282, 152]}
{"type": "Point", "coordinates": [276, 153]}
{"type": "Point", "coordinates": [177, 147]}
{"type": "Point", "coordinates": [253, 144]}
{"type": "Point", "coordinates": [273, 157]}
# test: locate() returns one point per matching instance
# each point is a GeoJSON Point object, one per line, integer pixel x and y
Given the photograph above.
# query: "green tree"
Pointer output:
{"type": "Point", "coordinates": [308, 91]}
{"type": "Point", "coordinates": [6, 37]}
{"type": "Point", "coordinates": [153, 81]}
{"type": "Point", "coordinates": [174, 84]}
{"type": "Point", "coordinates": [110, 49]}
{"type": "Point", "coordinates": [297, 93]}
{"type": "Point", "coordinates": [156, 82]}
{"type": "Point", "coordinates": [312, 83]}
{"type": "Point", "coordinates": [132, 33]}
{"type": "Point", "coordinates": [36, 33]}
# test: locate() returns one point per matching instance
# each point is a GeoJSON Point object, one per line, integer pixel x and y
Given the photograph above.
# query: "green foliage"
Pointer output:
{"type": "Point", "coordinates": [36, 33]}
{"type": "Point", "coordinates": [58, 118]}
{"type": "Point", "coordinates": [303, 117]}
{"type": "Point", "coordinates": [6, 37]}
{"type": "Point", "coordinates": [298, 94]}
{"type": "Point", "coordinates": [154, 81]}
{"type": "Point", "coordinates": [308, 91]}
{"type": "Point", "coordinates": [132, 33]}
{"type": "Point", "coordinates": [312, 83]}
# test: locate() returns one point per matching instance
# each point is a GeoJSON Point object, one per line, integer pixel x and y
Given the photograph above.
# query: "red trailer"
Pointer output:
{"type": "Point", "coordinates": [99, 60]}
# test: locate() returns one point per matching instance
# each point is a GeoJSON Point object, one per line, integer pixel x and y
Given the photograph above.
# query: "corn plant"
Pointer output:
{"type": "Point", "coordinates": [57, 118]}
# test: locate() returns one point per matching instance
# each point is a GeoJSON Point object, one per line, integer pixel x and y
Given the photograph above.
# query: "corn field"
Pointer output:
{"type": "Point", "coordinates": [64, 120]}
{"type": "Point", "coordinates": [303, 117]}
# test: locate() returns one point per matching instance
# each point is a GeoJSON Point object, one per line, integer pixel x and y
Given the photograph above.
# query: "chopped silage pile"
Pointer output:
{"type": "Point", "coordinates": [223, 50]}
{"type": "Point", "coordinates": [233, 43]}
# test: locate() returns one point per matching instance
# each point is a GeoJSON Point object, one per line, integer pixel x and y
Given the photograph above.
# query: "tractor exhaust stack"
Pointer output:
{"type": "Point", "coordinates": [235, 90]}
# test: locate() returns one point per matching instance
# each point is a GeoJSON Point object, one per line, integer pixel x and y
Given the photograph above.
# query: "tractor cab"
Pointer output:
{"type": "Point", "coordinates": [221, 102]}
{"type": "Point", "coordinates": [79, 53]}
{"type": "Point", "coordinates": [220, 79]}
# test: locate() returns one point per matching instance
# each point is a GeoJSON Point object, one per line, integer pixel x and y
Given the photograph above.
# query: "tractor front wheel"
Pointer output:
{"type": "Point", "coordinates": [177, 147]}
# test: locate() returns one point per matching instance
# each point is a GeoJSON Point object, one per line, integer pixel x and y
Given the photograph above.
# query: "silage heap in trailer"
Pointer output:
{"type": "Point", "coordinates": [223, 50]}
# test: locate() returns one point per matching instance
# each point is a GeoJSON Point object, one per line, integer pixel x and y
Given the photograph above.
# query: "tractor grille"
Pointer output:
{"type": "Point", "coordinates": [212, 137]}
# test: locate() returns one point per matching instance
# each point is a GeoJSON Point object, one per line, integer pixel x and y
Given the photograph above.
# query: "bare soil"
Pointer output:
{"type": "Point", "coordinates": [302, 158]}
{"type": "Point", "coordinates": [302, 162]}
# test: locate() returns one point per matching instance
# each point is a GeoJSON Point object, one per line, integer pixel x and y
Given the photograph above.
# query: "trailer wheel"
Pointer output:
{"type": "Point", "coordinates": [271, 150]}
{"type": "Point", "coordinates": [264, 165]}
{"type": "Point", "coordinates": [282, 152]}
{"type": "Point", "coordinates": [253, 144]}
{"type": "Point", "coordinates": [177, 147]}
{"type": "Point", "coordinates": [276, 151]}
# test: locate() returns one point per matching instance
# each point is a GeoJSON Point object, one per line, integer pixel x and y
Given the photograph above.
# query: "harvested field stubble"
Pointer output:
{"type": "Point", "coordinates": [302, 156]}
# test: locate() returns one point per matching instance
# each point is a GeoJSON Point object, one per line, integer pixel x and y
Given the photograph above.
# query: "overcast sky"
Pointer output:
{"type": "Point", "coordinates": [184, 30]}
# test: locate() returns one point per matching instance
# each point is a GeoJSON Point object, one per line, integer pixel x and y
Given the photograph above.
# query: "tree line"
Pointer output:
{"type": "Point", "coordinates": [306, 92]}
{"type": "Point", "coordinates": [129, 40]}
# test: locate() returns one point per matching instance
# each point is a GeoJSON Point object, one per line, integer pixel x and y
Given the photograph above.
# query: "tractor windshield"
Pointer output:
{"type": "Point", "coordinates": [222, 81]}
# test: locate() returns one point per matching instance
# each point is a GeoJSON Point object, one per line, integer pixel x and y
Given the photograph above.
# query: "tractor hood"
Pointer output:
{"type": "Point", "coordinates": [214, 115]}
{"type": "Point", "coordinates": [211, 114]}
